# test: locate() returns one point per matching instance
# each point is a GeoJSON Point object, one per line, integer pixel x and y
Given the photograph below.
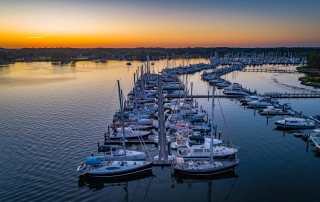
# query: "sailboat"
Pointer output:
{"type": "Point", "coordinates": [205, 167]}
{"type": "Point", "coordinates": [97, 167]}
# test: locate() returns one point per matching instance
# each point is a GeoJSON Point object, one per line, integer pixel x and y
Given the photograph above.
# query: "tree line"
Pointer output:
{"type": "Point", "coordinates": [154, 53]}
{"type": "Point", "coordinates": [314, 60]}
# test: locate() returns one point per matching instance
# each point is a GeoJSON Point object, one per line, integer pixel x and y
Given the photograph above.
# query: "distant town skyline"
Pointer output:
{"type": "Point", "coordinates": [169, 24]}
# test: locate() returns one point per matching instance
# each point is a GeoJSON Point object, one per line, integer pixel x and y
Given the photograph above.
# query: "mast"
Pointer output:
{"type": "Point", "coordinates": [212, 119]}
{"type": "Point", "coordinates": [122, 121]}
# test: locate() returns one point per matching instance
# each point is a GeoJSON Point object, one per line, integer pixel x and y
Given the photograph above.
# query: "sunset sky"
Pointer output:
{"type": "Point", "coordinates": [163, 23]}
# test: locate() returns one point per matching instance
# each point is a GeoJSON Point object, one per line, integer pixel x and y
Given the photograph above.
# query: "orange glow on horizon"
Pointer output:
{"type": "Point", "coordinates": [226, 35]}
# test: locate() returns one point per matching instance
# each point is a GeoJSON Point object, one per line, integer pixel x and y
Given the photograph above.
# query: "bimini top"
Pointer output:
{"type": "Point", "coordinates": [92, 160]}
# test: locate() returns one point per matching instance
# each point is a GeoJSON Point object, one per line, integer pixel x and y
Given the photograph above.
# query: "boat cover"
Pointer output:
{"type": "Point", "coordinates": [92, 160]}
{"type": "Point", "coordinates": [196, 137]}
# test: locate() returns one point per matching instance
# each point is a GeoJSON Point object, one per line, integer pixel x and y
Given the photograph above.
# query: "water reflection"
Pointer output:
{"type": "Point", "coordinates": [189, 180]}
{"type": "Point", "coordinates": [180, 178]}
{"type": "Point", "coordinates": [100, 183]}
{"type": "Point", "coordinates": [316, 152]}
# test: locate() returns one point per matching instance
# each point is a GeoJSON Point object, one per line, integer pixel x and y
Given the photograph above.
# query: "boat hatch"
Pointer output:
{"type": "Point", "coordinates": [113, 168]}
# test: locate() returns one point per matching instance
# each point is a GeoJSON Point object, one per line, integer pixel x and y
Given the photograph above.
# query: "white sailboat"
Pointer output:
{"type": "Point", "coordinates": [205, 167]}
{"type": "Point", "coordinates": [97, 167]}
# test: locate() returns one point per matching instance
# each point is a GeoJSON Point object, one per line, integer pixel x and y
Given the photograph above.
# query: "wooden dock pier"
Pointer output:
{"type": "Point", "coordinates": [272, 70]}
{"type": "Point", "coordinates": [274, 95]}
{"type": "Point", "coordinates": [292, 95]}
{"type": "Point", "coordinates": [163, 153]}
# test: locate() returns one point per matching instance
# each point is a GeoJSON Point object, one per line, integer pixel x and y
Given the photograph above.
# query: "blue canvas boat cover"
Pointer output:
{"type": "Point", "coordinates": [92, 160]}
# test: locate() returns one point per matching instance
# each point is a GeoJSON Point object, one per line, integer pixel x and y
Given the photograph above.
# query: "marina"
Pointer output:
{"type": "Point", "coordinates": [149, 86]}
{"type": "Point", "coordinates": [83, 123]}
{"type": "Point", "coordinates": [159, 101]}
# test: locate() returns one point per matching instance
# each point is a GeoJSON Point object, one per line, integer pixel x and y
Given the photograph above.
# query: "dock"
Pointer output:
{"type": "Point", "coordinates": [163, 153]}
{"type": "Point", "coordinates": [128, 141]}
{"type": "Point", "coordinates": [292, 95]}
{"type": "Point", "coordinates": [272, 70]}
{"type": "Point", "coordinates": [273, 95]}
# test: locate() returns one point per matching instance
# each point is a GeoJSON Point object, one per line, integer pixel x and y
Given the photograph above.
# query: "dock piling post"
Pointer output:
{"type": "Point", "coordinates": [300, 113]}
{"type": "Point", "coordinates": [219, 134]}
{"type": "Point", "coordinates": [98, 148]}
{"type": "Point", "coordinates": [308, 138]}
{"type": "Point", "coordinates": [284, 127]}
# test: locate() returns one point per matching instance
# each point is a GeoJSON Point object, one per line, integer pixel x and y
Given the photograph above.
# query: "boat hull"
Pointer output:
{"type": "Point", "coordinates": [121, 173]}
{"type": "Point", "coordinates": [226, 166]}
{"type": "Point", "coordinates": [287, 126]}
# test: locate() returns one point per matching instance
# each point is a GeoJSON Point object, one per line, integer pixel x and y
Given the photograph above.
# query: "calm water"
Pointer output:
{"type": "Point", "coordinates": [53, 116]}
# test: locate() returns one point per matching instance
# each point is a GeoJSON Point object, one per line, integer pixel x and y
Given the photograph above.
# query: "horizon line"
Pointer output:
{"type": "Point", "coordinates": [153, 47]}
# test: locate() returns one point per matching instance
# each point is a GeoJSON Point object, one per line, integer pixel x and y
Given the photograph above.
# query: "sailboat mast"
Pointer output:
{"type": "Point", "coordinates": [212, 123]}
{"type": "Point", "coordinates": [122, 121]}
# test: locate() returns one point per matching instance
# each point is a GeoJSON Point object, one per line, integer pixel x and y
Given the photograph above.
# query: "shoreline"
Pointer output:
{"type": "Point", "coordinates": [312, 77]}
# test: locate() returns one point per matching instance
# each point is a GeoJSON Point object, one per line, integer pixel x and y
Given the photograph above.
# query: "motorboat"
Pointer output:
{"type": "Point", "coordinates": [128, 133]}
{"type": "Point", "coordinates": [233, 86]}
{"type": "Point", "coordinates": [128, 63]}
{"type": "Point", "coordinates": [215, 81]}
{"type": "Point", "coordinates": [294, 123]}
{"type": "Point", "coordinates": [262, 103]}
{"type": "Point", "coordinates": [271, 110]}
{"type": "Point", "coordinates": [236, 92]}
{"type": "Point", "coordinates": [250, 98]}
{"type": "Point", "coordinates": [223, 84]}
{"type": "Point", "coordinates": [180, 113]}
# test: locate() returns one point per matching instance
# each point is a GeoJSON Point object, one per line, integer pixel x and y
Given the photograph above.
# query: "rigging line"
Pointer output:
{"type": "Point", "coordinates": [112, 93]}
{"type": "Point", "coordinates": [135, 191]}
{"type": "Point", "coordinates": [147, 190]}
{"type": "Point", "coordinates": [224, 119]}
{"type": "Point", "coordinates": [231, 188]}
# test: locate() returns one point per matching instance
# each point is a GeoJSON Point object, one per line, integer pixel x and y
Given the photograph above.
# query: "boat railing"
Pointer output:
{"type": "Point", "coordinates": [237, 147]}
